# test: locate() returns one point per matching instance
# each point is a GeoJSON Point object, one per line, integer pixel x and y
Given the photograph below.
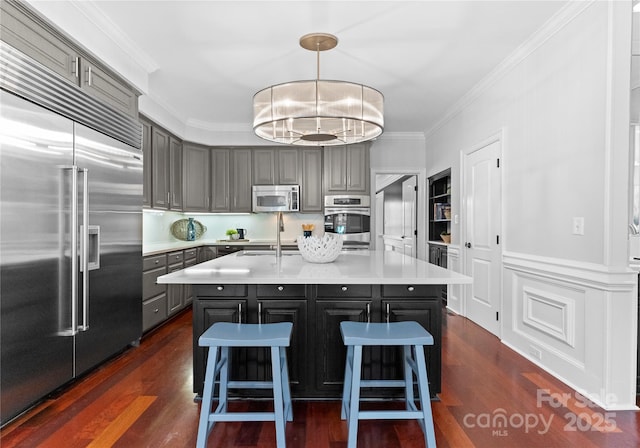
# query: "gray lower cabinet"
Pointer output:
{"type": "Point", "coordinates": [317, 354]}
{"type": "Point", "coordinates": [160, 302]}
{"type": "Point", "coordinates": [24, 29]}
{"type": "Point", "coordinates": [154, 296]}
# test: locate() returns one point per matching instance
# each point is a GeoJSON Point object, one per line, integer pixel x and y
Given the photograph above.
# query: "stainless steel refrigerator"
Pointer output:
{"type": "Point", "coordinates": [70, 238]}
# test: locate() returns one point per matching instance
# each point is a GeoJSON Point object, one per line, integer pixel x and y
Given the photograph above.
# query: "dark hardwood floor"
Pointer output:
{"type": "Point", "coordinates": [491, 397]}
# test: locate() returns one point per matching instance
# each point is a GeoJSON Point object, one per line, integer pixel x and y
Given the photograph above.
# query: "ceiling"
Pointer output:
{"type": "Point", "coordinates": [206, 59]}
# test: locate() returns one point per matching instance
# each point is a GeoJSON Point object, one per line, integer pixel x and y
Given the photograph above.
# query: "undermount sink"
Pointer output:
{"type": "Point", "coordinates": [270, 253]}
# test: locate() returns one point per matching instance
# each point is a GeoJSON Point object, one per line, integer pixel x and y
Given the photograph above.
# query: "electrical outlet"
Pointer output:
{"type": "Point", "coordinates": [578, 225]}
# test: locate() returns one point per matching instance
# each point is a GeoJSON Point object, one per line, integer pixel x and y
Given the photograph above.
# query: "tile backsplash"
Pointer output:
{"type": "Point", "coordinates": [260, 226]}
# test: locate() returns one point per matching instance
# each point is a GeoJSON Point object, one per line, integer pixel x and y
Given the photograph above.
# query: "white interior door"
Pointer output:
{"type": "Point", "coordinates": [482, 233]}
{"type": "Point", "coordinates": [409, 222]}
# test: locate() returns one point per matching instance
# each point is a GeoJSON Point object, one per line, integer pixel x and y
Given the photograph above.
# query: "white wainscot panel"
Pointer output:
{"type": "Point", "coordinates": [454, 292]}
{"type": "Point", "coordinates": [550, 314]}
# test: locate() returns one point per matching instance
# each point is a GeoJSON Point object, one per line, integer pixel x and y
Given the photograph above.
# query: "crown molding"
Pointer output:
{"type": "Point", "coordinates": [556, 23]}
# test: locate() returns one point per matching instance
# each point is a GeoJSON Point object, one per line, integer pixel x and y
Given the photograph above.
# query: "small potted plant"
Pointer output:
{"type": "Point", "coordinates": [232, 234]}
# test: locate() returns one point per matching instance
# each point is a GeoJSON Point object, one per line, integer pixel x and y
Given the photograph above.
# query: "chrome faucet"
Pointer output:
{"type": "Point", "coordinates": [279, 228]}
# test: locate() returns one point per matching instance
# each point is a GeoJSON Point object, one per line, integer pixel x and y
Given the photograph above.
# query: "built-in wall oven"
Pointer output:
{"type": "Point", "coordinates": [350, 217]}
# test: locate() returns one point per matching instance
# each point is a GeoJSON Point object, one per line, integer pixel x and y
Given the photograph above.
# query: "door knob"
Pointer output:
{"type": "Point", "coordinates": [468, 245]}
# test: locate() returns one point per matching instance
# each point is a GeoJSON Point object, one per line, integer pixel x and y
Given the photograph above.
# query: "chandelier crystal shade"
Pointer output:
{"type": "Point", "coordinates": [318, 112]}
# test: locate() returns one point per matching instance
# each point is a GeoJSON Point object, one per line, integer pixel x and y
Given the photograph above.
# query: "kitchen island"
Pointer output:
{"type": "Point", "coordinates": [367, 286]}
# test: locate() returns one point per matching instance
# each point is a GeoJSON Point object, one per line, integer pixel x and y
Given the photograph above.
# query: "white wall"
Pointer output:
{"type": "Point", "coordinates": [562, 103]}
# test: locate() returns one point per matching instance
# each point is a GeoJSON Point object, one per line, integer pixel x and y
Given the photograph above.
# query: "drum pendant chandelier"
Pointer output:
{"type": "Point", "coordinates": [318, 112]}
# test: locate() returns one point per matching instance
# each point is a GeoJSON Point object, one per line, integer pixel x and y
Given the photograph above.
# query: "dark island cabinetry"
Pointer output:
{"type": "Point", "coordinates": [316, 356]}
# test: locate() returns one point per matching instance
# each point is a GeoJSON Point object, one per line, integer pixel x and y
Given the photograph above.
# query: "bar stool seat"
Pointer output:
{"type": "Point", "coordinates": [219, 338]}
{"type": "Point", "coordinates": [412, 337]}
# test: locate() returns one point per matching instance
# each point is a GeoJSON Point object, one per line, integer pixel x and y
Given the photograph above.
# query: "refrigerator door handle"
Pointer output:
{"type": "Point", "coordinates": [84, 249]}
{"type": "Point", "coordinates": [74, 250]}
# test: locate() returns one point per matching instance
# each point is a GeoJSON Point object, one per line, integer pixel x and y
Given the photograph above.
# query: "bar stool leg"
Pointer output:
{"type": "Point", "coordinates": [352, 419]}
{"type": "Point", "coordinates": [346, 388]}
{"type": "Point", "coordinates": [205, 426]}
{"type": "Point", "coordinates": [225, 362]}
{"type": "Point", "coordinates": [408, 377]}
{"type": "Point", "coordinates": [284, 368]}
{"type": "Point", "coordinates": [425, 398]}
{"type": "Point", "coordinates": [278, 405]}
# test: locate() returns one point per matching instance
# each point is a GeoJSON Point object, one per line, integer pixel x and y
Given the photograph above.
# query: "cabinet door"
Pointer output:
{"type": "Point", "coordinates": [288, 168]}
{"type": "Point", "coordinates": [335, 169]}
{"type": "Point", "coordinates": [288, 310]}
{"type": "Point", "coordinates": [311, 188]}
{"type": "Point", "coordinates": [427, 312]}
{"type": "Point", "coordinates": [23, 30]}
{"type": "Point", "coordinates": [188, 290]}
{"type": "Point", "coordinates": [175, 174]}
{"type": "Point", "coordinates": [331, 355]}
{"type": "Point", "coordinates": [264, 167]}
{"type": "Point", "coordinates": [175, 293]}
{"type": "Point", "coordinates": [146, 161]}
{"type": "Point", "coordinates": [160, 162]}
{"type": "Point", "coordinates": [220, 169]}
{"type": "Point", "coordinates": [195, 178]}
{"type": "Point", "coordinates": [107, 88]}
{"type": "Point", "coordinates": [241, 180]}
{"type": "Point", "coordinates": [206, 313]}
{"type": "Point", "coordinates": [357, 158]}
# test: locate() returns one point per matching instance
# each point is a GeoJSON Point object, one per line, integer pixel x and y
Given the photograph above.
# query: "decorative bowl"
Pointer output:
{"type": "Point", "coordinates": [180, 227]}
{"type": "Point", "coordinates": [320, 250]}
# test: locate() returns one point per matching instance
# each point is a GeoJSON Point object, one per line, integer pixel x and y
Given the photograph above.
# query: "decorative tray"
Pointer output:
{"type": "Point", "coordinates": [179, 229]}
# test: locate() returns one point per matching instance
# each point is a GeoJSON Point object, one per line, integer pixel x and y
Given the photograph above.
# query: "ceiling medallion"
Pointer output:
{"type": "Point", "coordinates": [318, 112]}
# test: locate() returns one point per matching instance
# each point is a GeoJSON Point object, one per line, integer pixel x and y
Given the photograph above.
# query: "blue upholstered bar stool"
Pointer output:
{"type": "Point", "coordinates": [412, 337]}
{"type": "Point", "coordinates": [219, 338]}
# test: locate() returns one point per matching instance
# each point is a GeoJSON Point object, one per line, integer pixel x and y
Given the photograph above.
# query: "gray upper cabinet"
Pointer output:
{"type": "Point", "coordinates": [26, 31]}
{"type": "Point", "coordinates": [108, 88]}
{"type": "Point", "coordinates": [175, 173]}
{"type": "Point", "coordinates": [276, 166]}
{"type": "Point", "coordinates": [146, 159]}
{"type": "Point", "coordinates": [160, 161]}
{"type": "Point", "coordinates": [241, 180]}
{"type": "Point", "coordinates": [195, 178]}
{"type": "Point", "coordinates": [288, 166]}
{"type": "Point", "coordinates": [264, 166]}
{"type": "Point", "coordinates": [219, 180]}
{"type": "Point", "coordinates": [346, 169]}
{"type": "Point", "coordinates": [311, 188]}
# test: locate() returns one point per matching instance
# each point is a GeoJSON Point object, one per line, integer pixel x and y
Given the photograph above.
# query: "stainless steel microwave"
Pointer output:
{"type": "Point", "coordinates": [276, 198]}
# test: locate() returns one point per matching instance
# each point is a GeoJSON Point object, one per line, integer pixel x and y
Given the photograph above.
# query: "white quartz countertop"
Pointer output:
{"type": "Point", "coordinates": [352, 267]}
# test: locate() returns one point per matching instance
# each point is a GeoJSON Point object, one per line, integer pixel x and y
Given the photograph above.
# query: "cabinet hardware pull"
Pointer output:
{"type": "Point", "coordinates": [220, 288]}
{"type": "Point", "coordinates": [259, 312]}
{"type": "Point", "coordinates": [410, 288]}
{"type": "Point", "coordinates": [156, 310]}
{"type": "Point", "coordinates": [76, 62]}
{"type": "Point", "coordinates": [168, 198]}
{"type": "Point", "coordinates": [89, 76]}
{"type": "Point", "coordinates": [344, 288]}
{"type": "Point", "coordinates": [157, 261]}
{"type": "Point", "coordinates": [388, 312]}
{"type": "Point", "coordinates": [239, 313]}
{"type": "Point", "coordinates": [280, 288]}
{"type": "Point", "coordinates": [368, 312]}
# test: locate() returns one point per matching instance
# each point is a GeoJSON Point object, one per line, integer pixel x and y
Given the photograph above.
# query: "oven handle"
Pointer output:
{"type": "Point", "coordinates": [351, 211]}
